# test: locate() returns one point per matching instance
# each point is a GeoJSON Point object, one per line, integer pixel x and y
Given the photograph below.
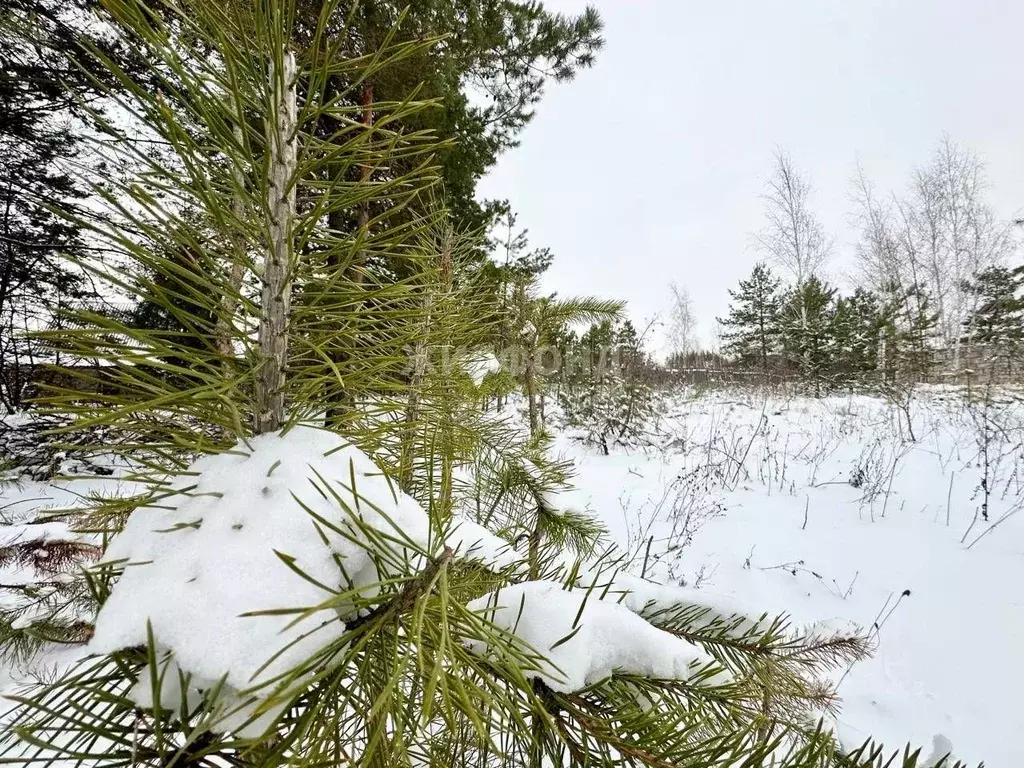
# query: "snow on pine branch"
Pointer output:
{"type": "Point", "coordinates": [603, 621]}
{"type": "Point", "coordinates": [251, 569]}
{"type": "Point", "coordinates": [713, 621]}
{"type": "Point", "coordinates": [282, 523]}
{"type": "Point", "coordinates": [583, 639]}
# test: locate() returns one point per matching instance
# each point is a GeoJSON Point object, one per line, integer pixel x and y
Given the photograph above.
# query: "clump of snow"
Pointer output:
{"type": "Point", "coordinates": [41, 532]}
{"type": "Point", "coordinates": [24, 621]}
{"type": "Point", "coordinates": [582, 638]}
{"type": "Point", "coordinates": [275, 523]}
{"type": "Point", "coordinates": [826, 629]}
{"type": "Point", "coordinates": [217, 552]}
{"type": "Point", "coordinates": [563, 500]}
{"type": "Point", "coordinates": [647, 597]}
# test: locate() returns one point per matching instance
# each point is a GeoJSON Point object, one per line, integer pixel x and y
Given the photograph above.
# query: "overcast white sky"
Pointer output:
{"type": "Point", "coordinates": [648, 168]}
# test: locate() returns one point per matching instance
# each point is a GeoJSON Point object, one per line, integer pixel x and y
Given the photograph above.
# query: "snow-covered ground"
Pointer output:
{"type": "Point", "coordinates": [754, 497]}
{"type": "Point", "coordinates": [25, 508]}
{"type": "Point", "coordinates": [824, 510]}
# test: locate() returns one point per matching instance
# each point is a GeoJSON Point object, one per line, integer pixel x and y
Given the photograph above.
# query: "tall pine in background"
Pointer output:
{"type": "Point", "coordinates": [506, 52]}
{"type": "Point", "coordinates": [908, 334]}
{"type": "Point", "coordinates": [751, 331]}
{"type": "Point", "coordinates": [996, 325]}
{"type": "Point", "coordinates": [40, 91]}
{"type": "Point", "coordinates": [808, 330]}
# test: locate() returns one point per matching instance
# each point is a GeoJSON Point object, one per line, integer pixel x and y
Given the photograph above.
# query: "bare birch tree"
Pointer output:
{"type": "Point", "coordinates": [793, 238]}
{"type": "Point", "coordinates": [950, 234]}
{"type": "Point", "coordinates": [878, 252]}
{"type": "Point", "coordinates": [682, 323]}
{"type": "Point", "coordinates": [934, 239]}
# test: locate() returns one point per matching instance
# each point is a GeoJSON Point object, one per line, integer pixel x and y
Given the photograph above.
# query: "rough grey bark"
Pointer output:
{"type": "Point", "coordinates": [277, 267]}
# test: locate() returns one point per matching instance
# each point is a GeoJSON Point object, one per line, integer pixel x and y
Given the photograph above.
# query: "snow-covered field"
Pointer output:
{"type": "Point", "coordinates": [827, 511]}
{"type": "Point", "coordinates": [755, 498]}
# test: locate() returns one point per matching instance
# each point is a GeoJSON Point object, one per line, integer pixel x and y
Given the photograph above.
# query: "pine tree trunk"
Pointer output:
{"type": "Point", "coordinates": [276, 296]}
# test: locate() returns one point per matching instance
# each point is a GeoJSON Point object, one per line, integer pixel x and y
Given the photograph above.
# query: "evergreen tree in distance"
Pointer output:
{"type": "Point", "coordinates": [857, 332]}
{"type": "Point", "coordinates": [825, 337]}
{"type": "Point", "coordinates": [908, 334]}
{"type": "Point", "coordinates": [614, 404]}
{"type": "Point", "coordinates": [38, 146]}
{"type": "Point", "coordinates": [808, 330]}
{"type": "Point", "coordinates": [996, 325]}
{"type": "Point", "coordinates": [751, 330]}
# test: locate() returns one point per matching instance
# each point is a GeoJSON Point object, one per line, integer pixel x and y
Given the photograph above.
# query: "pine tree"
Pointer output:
{"type": "Point", "coordinates": [509, 51]}
{"type": "Point", "coordinates": [997, 322]}
{"type": "Point", "coordinates": [908, 334]}
{"type": "Point", "coordinates": [808, 330]}
{"type": "Point", "coordinates": [598, 344]}
{"type": "Point", "coordinates": [907, 342]}
{"type": "Point", "coordinates": [613, 404]}
{"type": "Point", "coordinates": [630, 349]}
{"type": "Point", "coordinates": [858, 328]}
{"type": "Point", "coordinates": [36, 174]}
{"type": "Point", "coordinates": [503, 279]}
{"type": "Point", "coordinates": [752, 327]}
{"type": "Point", "coordinates": [539, 321]}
